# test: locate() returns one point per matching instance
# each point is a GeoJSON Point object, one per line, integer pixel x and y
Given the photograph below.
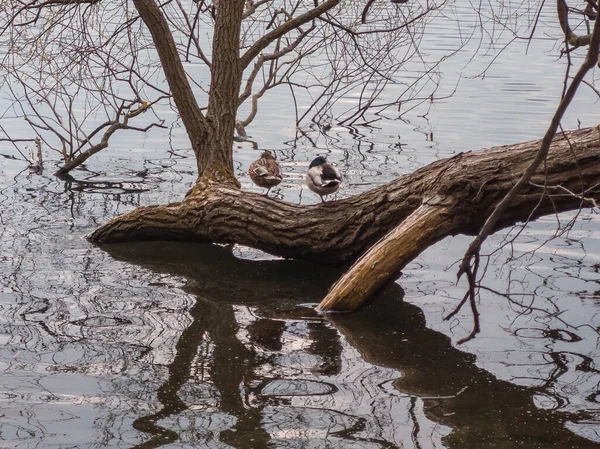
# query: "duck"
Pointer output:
{"type": "Point", "coordinates": [265, 172]}
{"type": "Point", "coordinates": [322, 177]}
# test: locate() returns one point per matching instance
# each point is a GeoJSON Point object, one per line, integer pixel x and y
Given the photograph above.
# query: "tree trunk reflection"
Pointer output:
{"type": "Point", "coordinates": [277, 369]}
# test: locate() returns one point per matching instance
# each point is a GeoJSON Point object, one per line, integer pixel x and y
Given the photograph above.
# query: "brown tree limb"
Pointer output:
{"type": "Point", "coordinates": [363, 16]}
{"type": "Point", "coordinates": [194, 121]}
{"type": "Point", "coordinates": [382, 263]}
{"type": "Point", "coordinates": [574, 40]}
{"type": "Point", "coordinates": [284, 28]}
{"type": "Point", "coordinates": [111, 128]}
{"type": "Point", "coordinates": [270, 57]}
{"type": "Point", "coordinates": [470, 262]}
{"type": "Point", "coordinates": [193, 38]}
{"type": "Point", "coordinates": [251, 9]}
{"type": "Point", "coordinates": [225, 81]}
{"type": "Point", "coordinates": [541, 155]}
{"type": "Point", "coordinates": [340, 231]}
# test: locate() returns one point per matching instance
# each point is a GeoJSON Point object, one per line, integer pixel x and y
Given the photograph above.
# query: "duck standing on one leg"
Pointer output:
{"type": "Point", "coordinates": [323, 178]}
{"type": "Point", "coordinates": [265, 172]}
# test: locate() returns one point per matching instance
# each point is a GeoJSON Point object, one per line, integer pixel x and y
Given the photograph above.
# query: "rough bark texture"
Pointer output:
{"type": "Point", "coordinates": [340, 231]}
{"type": "Point", "coordinates": [225, 81]}
{"type": "Point", "coordinates": [191, 115]}
{"type": "Point", "coordinates": [382, 263]}
{"type": "Point", "coordinates": [211, 136]}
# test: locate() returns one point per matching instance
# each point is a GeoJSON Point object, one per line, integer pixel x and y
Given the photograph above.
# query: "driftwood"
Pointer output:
{"type": "Point", "coordinates": [448, 197]}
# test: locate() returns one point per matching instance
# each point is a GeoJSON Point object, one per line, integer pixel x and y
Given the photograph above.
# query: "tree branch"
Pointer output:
{"type": "Point", "coordinates": [284, 28]}
{"type": "Point", "coordinates": [563, 19]}
{"type": "Point", "coordinates": [113, 126]}
{"type": "Point", "coordinates": [194, 121]}
{"type": "Point", "coordinates": [382, 263]}
{"type": "Point", "coordinates": [490, 224]}
{"type": "Point", "coordinates": [252, 9]}
{"type": "Point", "coordinates": [339, 231]}
{"type": "Point", "coordinates": [265, 58]}
{"type": "Point", "coordinates": [470, 261]}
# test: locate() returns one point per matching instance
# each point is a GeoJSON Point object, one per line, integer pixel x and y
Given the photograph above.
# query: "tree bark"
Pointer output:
{"type": "Point", "coordinates": [340, 231]}
{"type": "Point", "coordinates": [225, 82]}
{"type": "Point", "coordinates": [383, 262]}
{"type": "Point", "coordinates": [194, 121]}
{"type": "Point", "coordinates": [211, 136]}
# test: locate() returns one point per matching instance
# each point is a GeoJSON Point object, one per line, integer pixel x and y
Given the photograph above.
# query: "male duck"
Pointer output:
{"type": "Point", "coordinates": [265, 172]}
{"type": "Point", "coordinates": [323, 178]}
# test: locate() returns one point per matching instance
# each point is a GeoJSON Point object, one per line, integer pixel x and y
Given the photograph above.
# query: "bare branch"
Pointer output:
{"type": "Point", "coordinates": [563, 19]}
{"type": "Point", "coordinates": [112, 128]}
{"type": "Point", "coordinates": [284, 28]}
{"type": "Point", "coordinates": [490, 224]}
{"type": "Point", "coordinates": [470, 261]}
{"type": "Point", "coordinates": [173, 69]}
{"type": "Point", "coordinates": [192, 36]}
{"type": "Point", "coordinates": [253, 8]}
{"type": "Point", "coordinates": [264, 58]}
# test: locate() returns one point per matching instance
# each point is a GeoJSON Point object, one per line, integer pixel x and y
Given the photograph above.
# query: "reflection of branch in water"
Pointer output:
{"type": "Point", "coordinates": [73, 184]}
{"type": "Point", "coordinates": [488, 411]}
{"type": "Point", "coordinates": [179, 373]}
{"type": "Point", "coordinates": [231, 365]}
{"type": "Point", "coordinates": [161, 437]}
{"type": "Point", "coordinates": [325, 344]}
{"type": "Point", "coordinates": [389, 333]}
{"type": "Point", "coordinates": [529, 308]}
{"type": "Point", "coordinates": [414, 433]}
{"type": "Point", "coordinates": [235, 365]}
{"type": "Point", "coordinates": [551, 387]}
{"type": "Point", "coordinates": [360, 425]}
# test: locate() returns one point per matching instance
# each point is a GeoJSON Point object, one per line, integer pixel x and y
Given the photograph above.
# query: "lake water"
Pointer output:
{"type": "Point", "coordinates": [191, 345]}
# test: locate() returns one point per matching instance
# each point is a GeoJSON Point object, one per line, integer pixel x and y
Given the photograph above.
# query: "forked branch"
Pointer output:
{"type": "Point", "coordinates": [572, 39]}
{"type": "Point", "coordinates": [469, 264]}
{"type": "Point", "coordinates": [284, 28]}
{"type": "Point", "coordinates": [111, 128]}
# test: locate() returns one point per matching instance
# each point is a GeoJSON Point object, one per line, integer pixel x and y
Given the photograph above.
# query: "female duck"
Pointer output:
{"type": "Point", "coordinates": [323, 178]}
{"type": "Point", "coordinates": [265, 172]}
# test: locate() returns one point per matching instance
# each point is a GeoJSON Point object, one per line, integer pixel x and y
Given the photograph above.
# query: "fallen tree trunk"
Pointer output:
{"type": "Point", "coordinates": [468, 185]}
{"type": "Point", "coordinates": [383, 262]}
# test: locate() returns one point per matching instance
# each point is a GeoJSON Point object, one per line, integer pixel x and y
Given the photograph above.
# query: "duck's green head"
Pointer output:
{"type": "Point", "coordinates": [320, 160]}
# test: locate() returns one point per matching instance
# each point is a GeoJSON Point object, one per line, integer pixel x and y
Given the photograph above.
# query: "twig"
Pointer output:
{"type": "Point", "coordinates": [472, 252]}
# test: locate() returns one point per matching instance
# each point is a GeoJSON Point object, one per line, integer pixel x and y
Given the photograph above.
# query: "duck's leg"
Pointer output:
{"type": "Point", "coordinates": [268, 190]}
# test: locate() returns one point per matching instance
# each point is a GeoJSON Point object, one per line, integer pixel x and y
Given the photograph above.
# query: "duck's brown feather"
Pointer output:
{"type": "Point", "coordinates": [265, 172]}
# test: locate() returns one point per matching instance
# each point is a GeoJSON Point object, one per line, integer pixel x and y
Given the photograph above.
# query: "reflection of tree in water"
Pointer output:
{"type": "Point", "coordinates": [69, 326]}
{"type": "Point", "coordinates": [286, 378]}
{"type": "Point", "coordinates": [249, 367]}
{"type": "Point", "coordinates": [228, 366]}
{"type": "Point", "coordinates": [482, 410]}
{"type": "Point", "coordinates": [276, 368]}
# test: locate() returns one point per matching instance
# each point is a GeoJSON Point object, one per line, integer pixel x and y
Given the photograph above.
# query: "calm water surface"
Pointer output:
{"type": "Point", "coordinates": [190, 345]}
